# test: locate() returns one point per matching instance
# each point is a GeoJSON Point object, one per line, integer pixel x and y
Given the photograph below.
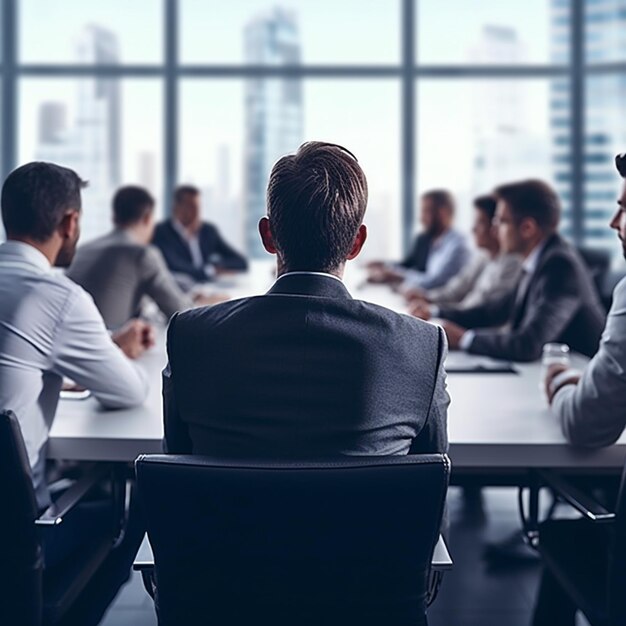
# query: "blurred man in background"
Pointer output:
{"type": "Point", "coordinates": [555, 300]}
{"type": "Point", "coordinates": [487, 277]}
{"type": "Point", "coordinates": [438, 254]}
{"type": "Point", "coordinates": [120, 268]}
{"type": "Point", "coordinates": [194, 250]}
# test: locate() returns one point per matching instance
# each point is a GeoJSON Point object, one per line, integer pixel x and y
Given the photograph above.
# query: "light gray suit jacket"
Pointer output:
{"type": "Point", "coordinates": [593, 412]}
{"type": "Point", "coordinates": [118, 272]}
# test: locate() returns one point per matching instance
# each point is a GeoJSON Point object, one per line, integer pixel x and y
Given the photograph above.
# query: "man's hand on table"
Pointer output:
{"type": "Point", "coordinates": [134, 338]}
{"type": "Point", "coordinates": [556, 369]}
{"type": "Point", "coordinates": [454, 332]}
{"type": "Point", "coordinates": [421, 309]}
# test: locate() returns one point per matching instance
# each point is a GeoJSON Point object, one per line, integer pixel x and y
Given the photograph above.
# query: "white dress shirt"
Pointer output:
{"type": "Point", "coordinates": [50, 328]}
{"type": "Point", "coordinates": [193, 241]}
{"type": "Point", "coordinates": [446, 257]}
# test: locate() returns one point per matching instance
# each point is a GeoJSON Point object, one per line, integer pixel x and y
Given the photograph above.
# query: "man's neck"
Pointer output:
{"type": "Point", "coordinates": [532, 246]}
{"type": "Point", "coordinates": [48, 248]}
{"type": "Point", "coordinates": [281, 270]}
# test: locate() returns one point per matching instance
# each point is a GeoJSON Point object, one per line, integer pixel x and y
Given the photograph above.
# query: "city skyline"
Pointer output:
{"type": "Point", "coordinates": [237, 128]}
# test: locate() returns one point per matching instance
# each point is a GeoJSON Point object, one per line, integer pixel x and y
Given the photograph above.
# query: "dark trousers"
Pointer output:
{"type": "Point", "coordinates": [553, 606]}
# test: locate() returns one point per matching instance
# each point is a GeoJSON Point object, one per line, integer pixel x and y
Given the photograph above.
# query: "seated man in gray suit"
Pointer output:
{"type": "Point", "coordinates": [555, 300]}
{"type": "Point", "coordinates": [121, 267]}
{"type": "Point", "coordinates": [306, 370]}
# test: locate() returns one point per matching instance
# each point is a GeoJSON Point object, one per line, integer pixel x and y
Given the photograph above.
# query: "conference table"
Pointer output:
{"type": "Point", "coordinates": [498, 421]}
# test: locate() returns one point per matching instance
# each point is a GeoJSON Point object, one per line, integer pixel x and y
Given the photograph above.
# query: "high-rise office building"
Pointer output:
{"type": "Point", "coordinates": [605, 123]}
{"type": "Point", "coordinates": [273, 110]}
{"type": "Point", "coordinates": [506, 146]}
{"type": "Point", "coordinates": [91, 145]}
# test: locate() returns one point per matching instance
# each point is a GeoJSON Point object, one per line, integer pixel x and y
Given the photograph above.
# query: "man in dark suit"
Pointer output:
{"type": "Point", "coordinates": [305, 370]}
{"type": "Point", "coordinates": [555, 300]}
{"type": "Point", "coordinates": [194, 250]}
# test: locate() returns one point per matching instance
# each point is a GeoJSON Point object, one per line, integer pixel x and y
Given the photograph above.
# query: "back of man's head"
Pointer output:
{"type": "Point", "coordinates": [533, 199]}
{"type": "Point", "coordinates": [130, 205]}
{"type": "Point", "coordinates": [36, 196]}
{"type": "Point", "coordinates": [316, 201]}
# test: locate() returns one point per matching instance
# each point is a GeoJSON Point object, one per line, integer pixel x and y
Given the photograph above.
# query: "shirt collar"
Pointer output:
{"type": "Point", "coordinates": [27, 253]}
{"type": "Point", "coordinates": [181, 230]}
{"type": "Point", "coordinates": [532, 260]}
{"type": "Point", "coordinates": [310, 274]}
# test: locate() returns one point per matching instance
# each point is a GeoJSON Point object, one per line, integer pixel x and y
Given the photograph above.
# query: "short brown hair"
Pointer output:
{"type": "Point", "coordinates": [130, 204]}
{"type": "Point", "coordinates": [316, 201]}
{"type": "Point", "coordinates": [487, 204]}
{"type": "Point", "coordinates": [183, 190]}
{"type": "Point", "coordinates": [441, 198]}
{"type": "Point", "coordinates": [533, 199]}
{"type": "Point", "coordinates": [620, 164]}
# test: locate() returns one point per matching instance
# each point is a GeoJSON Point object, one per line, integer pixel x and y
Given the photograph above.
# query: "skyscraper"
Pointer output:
{"type": "Point", "coordinates": [91, 145]}
{"type": "Point", "coordinates": [506, 146]}
{"type": "Point", "coordinates": [605, 123]}
{"type": "Point", "coordinates": [273, 110]}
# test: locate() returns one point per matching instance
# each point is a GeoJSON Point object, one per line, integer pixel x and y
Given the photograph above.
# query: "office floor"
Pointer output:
{"type": "Point", "coordinates": [473, 594]}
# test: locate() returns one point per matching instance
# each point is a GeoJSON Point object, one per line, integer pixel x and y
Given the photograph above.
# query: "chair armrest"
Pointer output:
{"type": "Point", "coordinates": [55, 513]}
{"type": "Point", "coordinates": [441, 561]}
{"type": "Point", "coordinates": [140, 566]}
{"type": "Point", "coordinates": [581, 501]}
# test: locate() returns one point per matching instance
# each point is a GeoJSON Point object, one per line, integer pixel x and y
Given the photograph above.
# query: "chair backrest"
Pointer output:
{"type": "Point", "coordinates": [333, 542]}
{"type": "Point", "coordinates": [20, 549]}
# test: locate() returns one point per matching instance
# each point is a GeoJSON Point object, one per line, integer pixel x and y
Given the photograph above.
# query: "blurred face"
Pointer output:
{"type": "Point", "coordinates": [483, 230]}
{"type": "Point", "coordinates": [187, 211]}
{"type": "Point", "coordinates": [427, 214]}
{"type": "Point", "coordinates": [507, 229]}
{"type": "Point", "coordinates": [70, 229]}
{"type": "Point", "coordinates": [618, 223]}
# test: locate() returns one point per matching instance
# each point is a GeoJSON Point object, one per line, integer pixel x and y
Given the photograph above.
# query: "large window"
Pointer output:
{"type": "Point", "coordinates": [463, 94]}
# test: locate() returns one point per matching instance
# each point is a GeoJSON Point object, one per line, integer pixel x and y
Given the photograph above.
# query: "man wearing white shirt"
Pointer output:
{"type": "Point", "coordinates": [555, 300]}
{"type": "Point", "coordinates": [50, 328]}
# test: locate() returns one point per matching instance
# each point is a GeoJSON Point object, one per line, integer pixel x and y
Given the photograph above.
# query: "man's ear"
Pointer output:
{"type": "Point", "coordinates": [267, 238]}
{"type": "Point", "coordinates": [528, 228]}
{"type": "Point", "coordinates": [68, 228]}
{"type": "Point", "coordinates": [359, 241]}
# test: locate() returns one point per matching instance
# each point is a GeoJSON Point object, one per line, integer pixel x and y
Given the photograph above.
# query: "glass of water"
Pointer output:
{"type": "Point", "coordinates": [553, 354]}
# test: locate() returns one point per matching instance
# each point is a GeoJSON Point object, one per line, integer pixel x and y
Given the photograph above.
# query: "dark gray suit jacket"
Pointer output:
{"type": "Point", "coordinates": [560, 304]}
{"type": "Point", "coordinates": [303, 371]}
{"type": "Point", "coordinates": [118, 272]}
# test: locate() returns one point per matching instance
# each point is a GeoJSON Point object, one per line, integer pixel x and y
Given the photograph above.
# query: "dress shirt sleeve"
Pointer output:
{"type": "Point", "coordinates": [84, 352]}
{"type": "Point", "coordinates": [433, 438]}
{"type": "Point", "coordinates": [443, 264]}
{"type": "Point", "coordinates": [159, 284]}
{"type": "Point", "coordinates": [593, 412]}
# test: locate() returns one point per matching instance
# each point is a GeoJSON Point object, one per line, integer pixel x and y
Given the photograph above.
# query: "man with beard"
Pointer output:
{"type": "Point", "coordinates": [438, 254]}
{"type": "Point", "coordinates": [50, 328]}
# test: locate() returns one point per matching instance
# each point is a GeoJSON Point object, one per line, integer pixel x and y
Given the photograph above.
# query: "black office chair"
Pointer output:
{"type": "Point", "coordinates": [586, 556]}
{"type": "Point", "coordinates": [31, 595]}
{"type": "Point", "coordinates": [347, 541]}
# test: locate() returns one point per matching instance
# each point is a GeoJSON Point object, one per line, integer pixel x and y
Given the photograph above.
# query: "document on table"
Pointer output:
{"type": "Point", "coordinates": [462, 363]}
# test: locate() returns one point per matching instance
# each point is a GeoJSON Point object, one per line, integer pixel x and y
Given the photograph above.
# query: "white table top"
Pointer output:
{"type": "Point", "coordinates": [496, 420]}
